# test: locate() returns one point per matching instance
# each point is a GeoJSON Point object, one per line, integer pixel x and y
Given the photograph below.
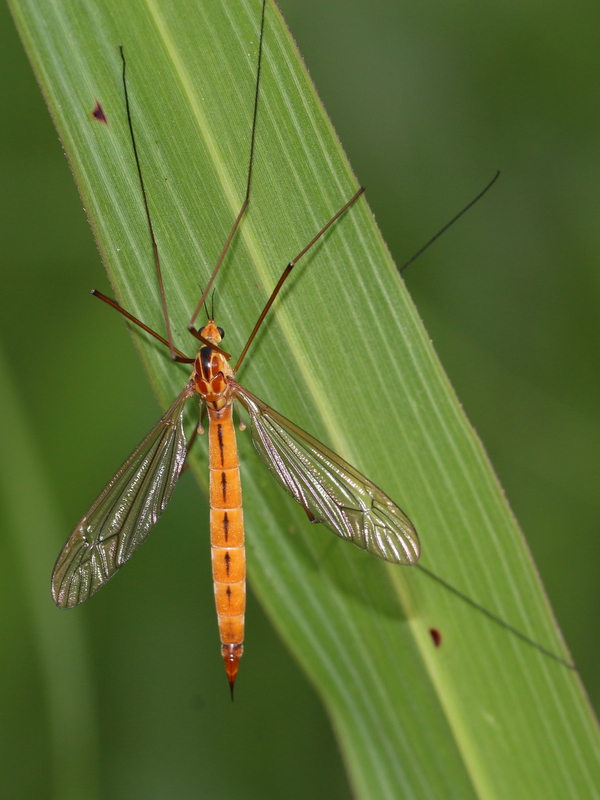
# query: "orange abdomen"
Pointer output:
{"type": "Point", "coordinates": [227, 536]}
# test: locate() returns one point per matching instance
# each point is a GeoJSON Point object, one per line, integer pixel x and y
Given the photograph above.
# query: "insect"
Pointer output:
{"type": "Point", "coordinates": [329, 489]}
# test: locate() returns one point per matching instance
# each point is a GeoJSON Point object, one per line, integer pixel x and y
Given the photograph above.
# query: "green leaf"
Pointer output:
{"type": "Point", "coordinates": [344, 355]}
{"type": "Point", "coordinates": [61, 646]}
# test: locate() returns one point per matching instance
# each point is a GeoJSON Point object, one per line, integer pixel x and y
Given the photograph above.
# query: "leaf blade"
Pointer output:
{"type": "Point", "coordinates": [433, 457]}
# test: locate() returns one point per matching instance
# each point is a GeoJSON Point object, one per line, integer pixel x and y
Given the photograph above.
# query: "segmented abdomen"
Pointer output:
{"type": "Point", "coordinates": [227, 536]}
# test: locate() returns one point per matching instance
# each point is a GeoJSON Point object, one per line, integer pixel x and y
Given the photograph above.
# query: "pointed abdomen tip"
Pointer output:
{"type": "Point", "coordinates": [231, 656]}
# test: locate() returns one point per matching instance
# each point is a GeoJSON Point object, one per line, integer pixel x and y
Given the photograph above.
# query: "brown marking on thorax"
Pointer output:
{"type": "Point", "coordinates": [211, 370]}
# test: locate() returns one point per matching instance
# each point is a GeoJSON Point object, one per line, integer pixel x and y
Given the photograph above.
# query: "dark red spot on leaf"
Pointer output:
{"type": "Point", "coordinates": [98, 113]}
{"type": "Point", "coordinates": [436, 636]}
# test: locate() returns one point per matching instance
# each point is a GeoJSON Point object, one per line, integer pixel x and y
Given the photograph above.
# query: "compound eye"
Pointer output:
{"type": "Point", "coordinates": [221, 332]}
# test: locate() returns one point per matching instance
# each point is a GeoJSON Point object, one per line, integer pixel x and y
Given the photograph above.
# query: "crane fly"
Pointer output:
{"type": "Point", "coordinates": [329, 489]}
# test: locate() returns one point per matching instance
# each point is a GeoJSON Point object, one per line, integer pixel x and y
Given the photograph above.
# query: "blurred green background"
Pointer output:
{"type": "Point", "coordinates": [429, 99]}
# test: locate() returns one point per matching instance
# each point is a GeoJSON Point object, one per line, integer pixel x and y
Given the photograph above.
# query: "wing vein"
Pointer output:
{"type": "Point", "coordinates": [329, 489]}
{"type": "Point", "coordinates": [123, 514]}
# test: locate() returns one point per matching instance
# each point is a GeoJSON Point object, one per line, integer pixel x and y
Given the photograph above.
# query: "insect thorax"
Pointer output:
{"type": "Point", "coordinates": [211, 370]}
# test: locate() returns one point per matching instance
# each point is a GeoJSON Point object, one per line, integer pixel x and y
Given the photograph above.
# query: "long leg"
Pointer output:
{"type": "Point", "coordinates": [191, 326]}
{"type": "Point", "coordinates": [163, 299]}
{"type": "Point", "coordinates": [286, 272]}
{"type": "Point", "coordinates": [454, 219]}
{"type": "Point", "coordinates": [177, 354]}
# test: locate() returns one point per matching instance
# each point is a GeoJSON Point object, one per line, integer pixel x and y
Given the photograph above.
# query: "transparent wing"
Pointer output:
{"type": "Point", "coordinates": [125, 511]}
{"type": "Point", "coordinates": [327, 487]}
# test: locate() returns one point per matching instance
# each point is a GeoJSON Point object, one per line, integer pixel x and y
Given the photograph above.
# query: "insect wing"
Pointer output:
{"type": "Point", "coordinates": [329, 489]}
{"type": "Point", "coordinates": [125, 511]}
